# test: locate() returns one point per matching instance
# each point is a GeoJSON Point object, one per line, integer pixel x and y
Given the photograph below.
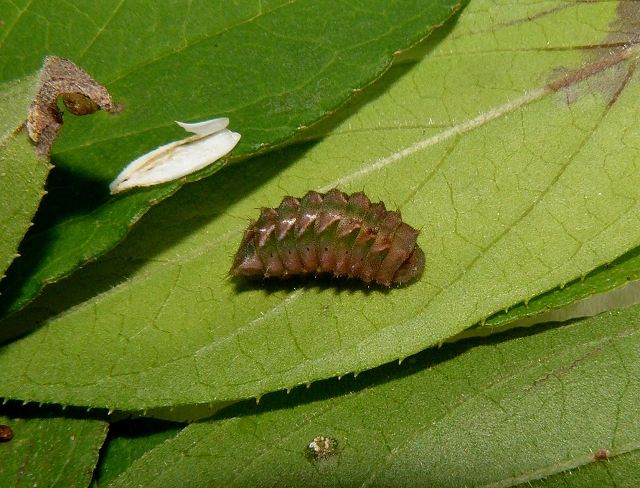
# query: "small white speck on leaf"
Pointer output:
{"type": "Point", "coordinates": [322, 448]}
{"type": "Point", "coordinates": [212, 140]}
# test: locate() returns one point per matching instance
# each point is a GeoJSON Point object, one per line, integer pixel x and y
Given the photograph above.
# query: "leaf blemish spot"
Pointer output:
{"type": "Point", "coordinates": [322, 448]}
{"type": "Point", "coordinates": [601, 455]}
{"type": "Point", "coordinates": [6, 434]}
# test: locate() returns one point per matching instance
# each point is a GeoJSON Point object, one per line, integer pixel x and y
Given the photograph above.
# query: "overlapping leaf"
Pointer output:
{"type": "Point", "coordinates": [22, 173]}
{"type": "Point", "coordinates": [49, 448]}
{"type": "Point", "coordinates": [601, 280]}
{"type": "Point", "coordinates": [270, 67]}
{"type": "Point", "coordinates": [488, 412]}
{"type": "Point", "coordinates": [519, 164]}
{"type": "Point", "coordinates": [129, 440]}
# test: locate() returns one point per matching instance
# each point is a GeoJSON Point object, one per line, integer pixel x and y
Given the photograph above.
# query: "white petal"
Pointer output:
{"type": "Point", "coordinates": [205, 127]}
{"type": "Point", "coordinates": [175, 160]}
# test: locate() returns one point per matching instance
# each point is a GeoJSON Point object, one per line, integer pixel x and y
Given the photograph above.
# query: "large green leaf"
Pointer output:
{"type": "Point", "coordinates": [516, 194]}
{"type": "Point", "coordinates": [49, 448]}
{"type": "Point", "coordinates": [271, 67]}
{"type": "Point", "coordinates": [22, 173]}
{"type": "Point", "coordinates": [498, 411]}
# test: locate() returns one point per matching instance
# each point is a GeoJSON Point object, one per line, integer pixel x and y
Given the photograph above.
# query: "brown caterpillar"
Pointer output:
{"type": "Point", "coordinates": [335, 233]}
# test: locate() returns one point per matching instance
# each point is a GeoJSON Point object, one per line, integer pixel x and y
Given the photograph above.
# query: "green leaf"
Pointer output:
{"type": "Point", "coordinates": [129, 440]}
{"type": "Point", "coordinates": [22, 173]}
{"type": "Point", "coordinates": [272, 68]}
{"type": "Point", "coordinates": [49, 448]}
{"type": "Point", "coordinates": [496, 411]}
{"type": "Point", "coordinates": [515, 194]}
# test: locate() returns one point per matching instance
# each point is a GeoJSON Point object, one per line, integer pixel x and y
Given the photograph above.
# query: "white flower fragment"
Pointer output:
{"type": "Point", "coordinates": [211, 141]}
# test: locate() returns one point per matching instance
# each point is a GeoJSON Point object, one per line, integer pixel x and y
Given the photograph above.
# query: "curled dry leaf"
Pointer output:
{"type": "Point", "coordinates": [172, 161]}
{"type": "Point", "coordinates": [80, 93]}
